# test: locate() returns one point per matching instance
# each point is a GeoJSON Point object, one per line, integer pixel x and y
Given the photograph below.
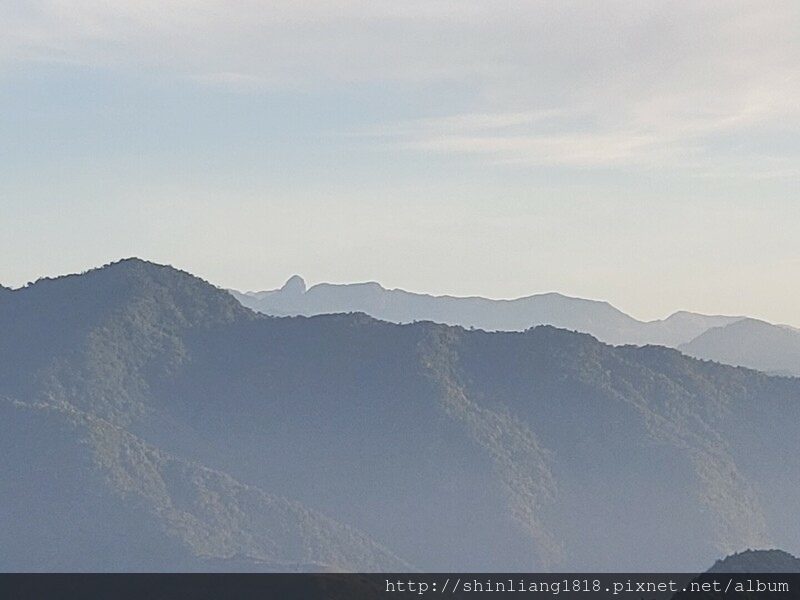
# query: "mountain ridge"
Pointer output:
{"type": "Point", "coordinates": [446, 447]}
{"type": "Point", "coordinates": [752, 343]}
{"type": "Point", "coordinates": [596, 317]}
{"type": "Point", "coordinates": [271, 302]}
{"type": "Point", "coordinates": [757, 561]}
{"type": "Point", "coordinates": [186, 498]}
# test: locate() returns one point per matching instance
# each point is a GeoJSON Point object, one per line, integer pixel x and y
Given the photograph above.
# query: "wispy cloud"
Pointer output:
{"type": "Point", "coordinates": [685, 128]}
{"type": "Point", "coordinates": [237, 82]}
{"type": "Point", "coordinates": [506, 48]}
{"type": "Point", "coordinates": [611, 84]}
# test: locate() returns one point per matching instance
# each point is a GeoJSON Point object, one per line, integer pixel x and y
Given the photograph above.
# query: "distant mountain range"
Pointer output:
{"type": "Point", "coordinates": [733, 340]}
{"type": "Point", "coordinates": [750, 343]}
{"type": "Point", "coordinates": [148, 421]}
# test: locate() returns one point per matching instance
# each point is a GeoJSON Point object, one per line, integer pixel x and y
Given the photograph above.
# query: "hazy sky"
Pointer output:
{"type": "Point", "coordinates": [642, 152]}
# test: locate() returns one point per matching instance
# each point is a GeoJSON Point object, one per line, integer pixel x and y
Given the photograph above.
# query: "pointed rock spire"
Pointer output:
{"type": "Point", "coordinates": [295, 285]}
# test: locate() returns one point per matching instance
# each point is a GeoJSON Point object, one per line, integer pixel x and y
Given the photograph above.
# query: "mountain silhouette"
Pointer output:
{"type": "Point", "coordinates": [750, 343]}
{"type": "Point", "coordinates": [599, 319]}
{"type": "Point", "coordinates": [757, 561]}
{"type": "Point", "coordinates": [739, 575]}
{"type": "Point", "coordinates": [151, 422]}
{"type": "Point", "coordinates": [765, 347]}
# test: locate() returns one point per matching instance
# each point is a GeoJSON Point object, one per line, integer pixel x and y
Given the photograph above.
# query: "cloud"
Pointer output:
{"type": "Point", "coordinates": [676, 130]}
{"type": "Point", "coordinates": [514, 45]}
{"type": "Point", "coordinates": [708, 89]}
{"type": "Point", "coordinates": [574, 83]}
{"type": "Point", "coordinates": [237, 82]}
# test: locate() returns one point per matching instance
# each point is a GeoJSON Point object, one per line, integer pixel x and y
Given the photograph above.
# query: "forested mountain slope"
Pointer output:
{"type": "Point", "coordinates": [154, 423]}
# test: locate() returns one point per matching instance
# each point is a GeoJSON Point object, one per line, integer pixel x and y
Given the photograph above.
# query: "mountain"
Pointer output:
{"type": "Point", "coordinates": [751, 343]}
{"type": "Point", "coordinates": [758, 561]}
{"type": "Point", "coordinates": [741, 573]}
{"type": "Point", "coordinates": [150, 422]}
{"type": "Point", "coordinates": [736, 341]}
{"type": "Point", "coordinates": [599, 319]}
{"type": "Point", "coordinates": [87, 494]}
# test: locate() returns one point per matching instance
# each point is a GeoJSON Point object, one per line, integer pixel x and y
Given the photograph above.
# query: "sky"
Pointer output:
{"type": "Point", "coordinates": [644, 153]}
